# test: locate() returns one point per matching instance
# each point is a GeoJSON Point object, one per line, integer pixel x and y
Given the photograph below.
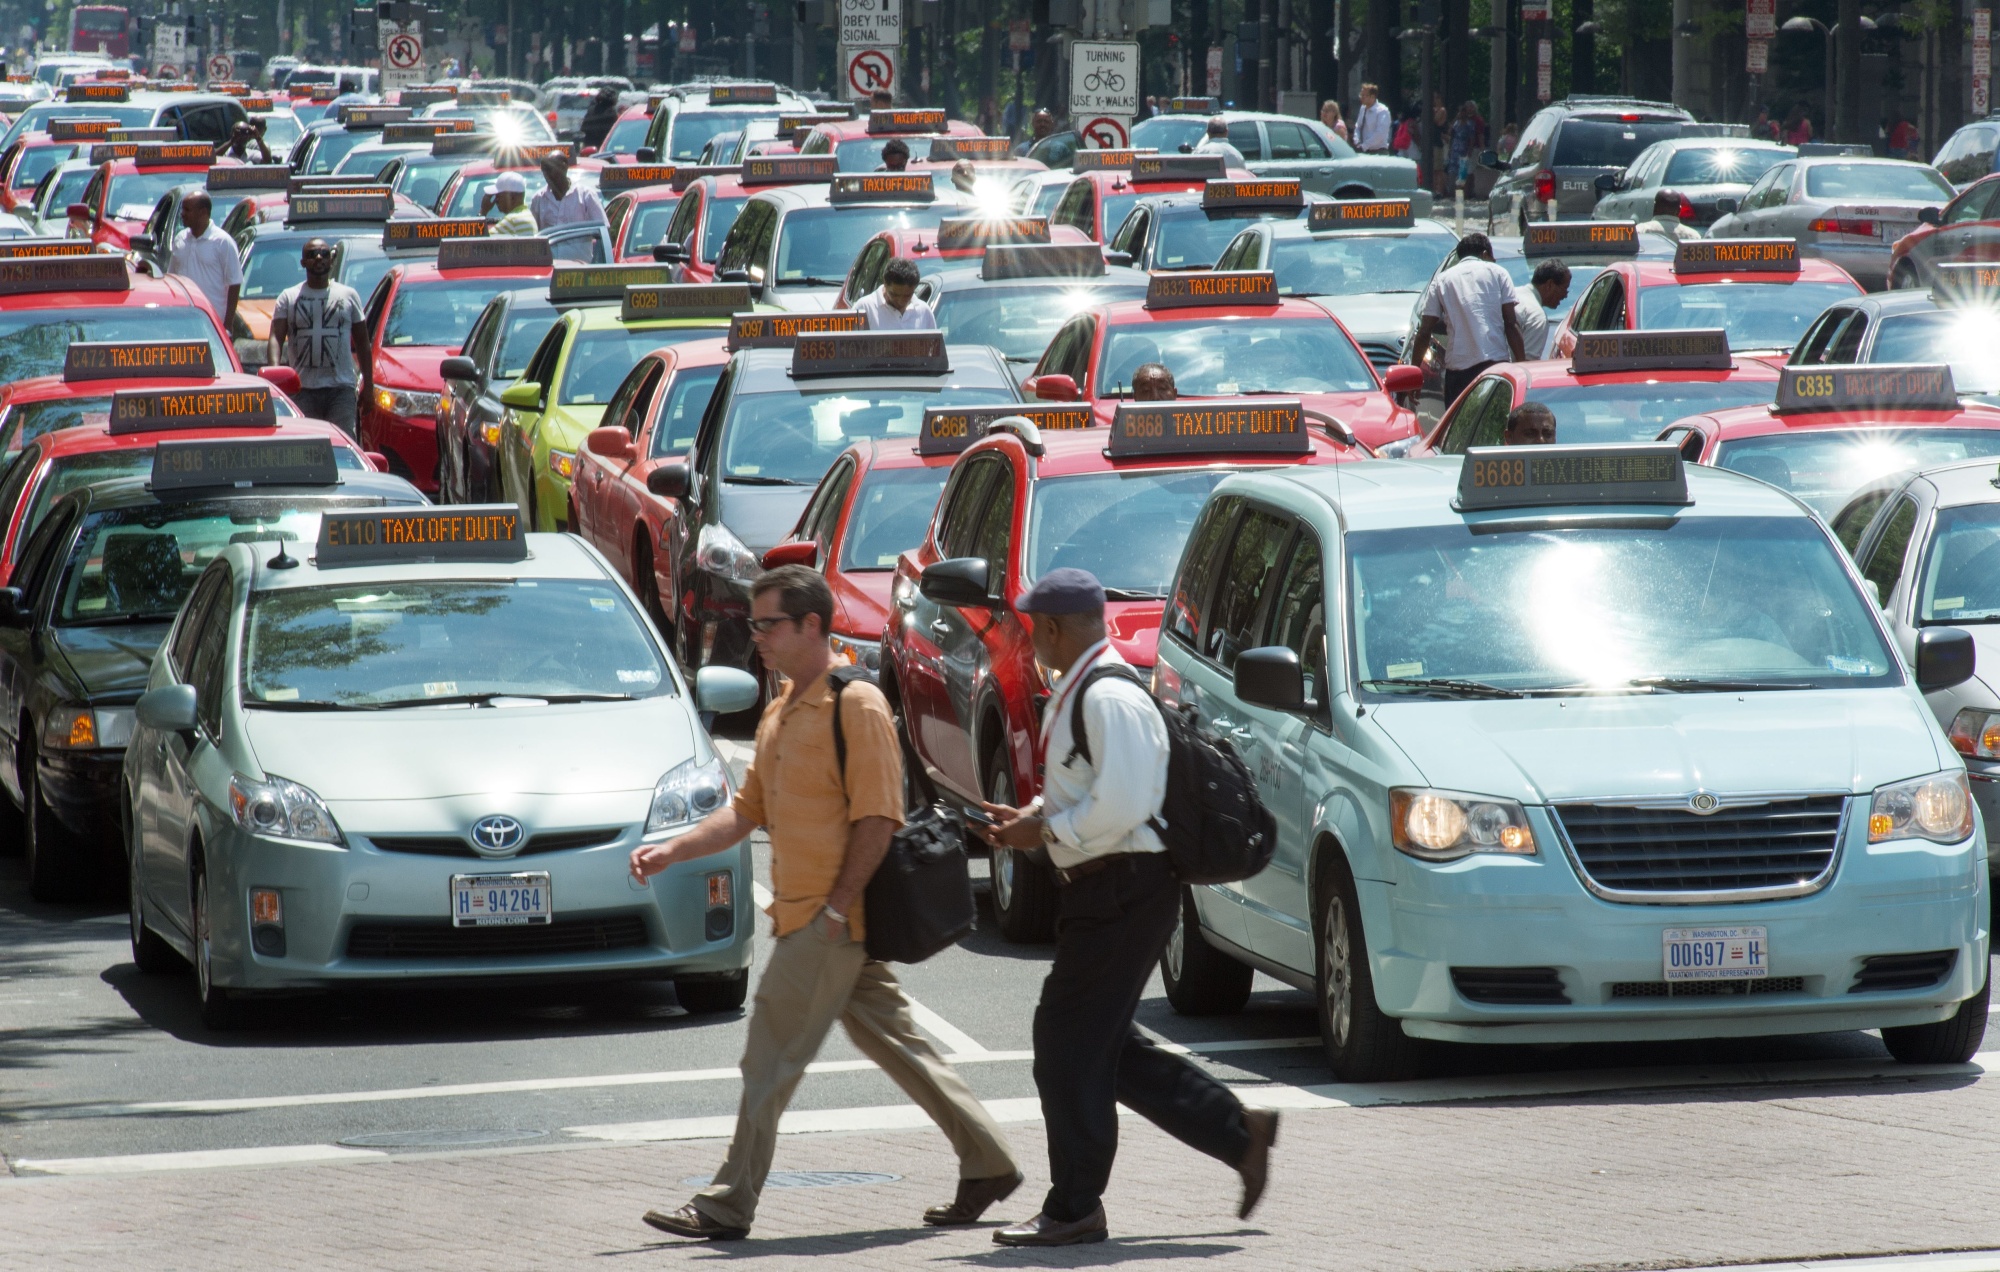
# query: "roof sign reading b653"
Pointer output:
{"type": "Point", "coordinates": [1879, 386]}
{"type": "Point", "coordinates": [1737, 256]}
{"type": "Point", "coordinates": [948, 430]}
{"type": "Point", "coordinates": [1599, 352]}
{"type": "Point", "coordinates": [870, 353]}
{"type": "Point", "coordinates": [138, 360]}
{"type": "Point", "coordinates": [1259, 426]}
{"type": "Point", "coordinates": [781, 331]}
{"type": "Point", "coordinates": [1590, 238]}
{"type": "Point", "coordinates": [1560, 476]}
{"type": "Point", "coordinates": [146, 410]}
{"type": "Point", "coordinates": [1195, 289]}
{"type": "Point", "coordinates": [411, 535]}
{"type": "Point", "coordinates": [273, 461]}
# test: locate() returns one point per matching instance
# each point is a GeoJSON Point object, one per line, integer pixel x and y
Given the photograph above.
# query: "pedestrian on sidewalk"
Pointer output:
{"type": "Point", "coordinates": [1372, 126]}
{"type": "Point", "coordinates": [1119, 903]}
{"type": "Point", "coordinates": [830, 827]}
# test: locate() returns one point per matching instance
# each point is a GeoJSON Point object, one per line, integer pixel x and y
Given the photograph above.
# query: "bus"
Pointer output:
{"type": "Point", "coordinates": [105, 28]}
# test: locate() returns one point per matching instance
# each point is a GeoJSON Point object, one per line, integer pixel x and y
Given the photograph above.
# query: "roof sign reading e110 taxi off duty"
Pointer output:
{"type": "Point", "coordinates": [1043, 260]}
{"type": "Point", "coordinates": [1580, 238]}
{"type": "Point", "coordinates": [971, 233]}
{"type": "Point", "coordinates": [1360, 214]}
{"type": "Point", "coordinates": [147, 410]}
{"type": "Point", "coordinates": [604, 282]}
{"type": "Point", "coordinates": [1906, 386]}
{"type": "Point", "coordinates": [250, 176]}
{"type": "Point", "coordinates": [95, 272]}
{"type": "Point", "coordinates": [870, 353]}
{"type": "Point", "coordinates": [264, 461]}
{"type": "Point", "coordinates": [1244, 426]}
{"type": "Point", "coordinates": [1563, 476]}
{"type": "Point", "coordinates": [684, 300]}
{"type": "Point", "coordinates": [1195, 289]}
{"type": "Point", "coordinates": [515, 251]}
{"type": "Point", "coordinates": [781, 331]}
{"type": "Point", "coordinates": [1599, 352]}
{"type": "Point", "coordinates": [138, 360]}
{"type": "Point", "coordinates": [387, 536]}
{"type": "Point", "coordinates": [1737, 256]}
{"type": "Point", "coordinates": [882, 187]}
{"type": "Point", "coordinates": [948, 430]}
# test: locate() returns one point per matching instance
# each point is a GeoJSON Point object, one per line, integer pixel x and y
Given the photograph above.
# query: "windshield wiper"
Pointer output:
{"type": "Point", "coordinates": [736, 480]}
{"type": "Point", "coordinates": [1460, 688]}
{"type": "Point", "coordinates": [786, 282]}
{"type": "Point", "coordinates": [1128, 594]}
{"type": "Point", "coordinates": [486, 699]}
{"type": "Point", "coordinates": [306, 704]}
{"type": "Point", "coordinates": [1697, 684]}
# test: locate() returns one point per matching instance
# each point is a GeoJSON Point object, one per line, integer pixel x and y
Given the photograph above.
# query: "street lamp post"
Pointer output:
{"type": "Point", "coordinates": [1804, 23]}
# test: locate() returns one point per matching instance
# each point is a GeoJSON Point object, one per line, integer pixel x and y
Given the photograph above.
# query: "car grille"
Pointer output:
{"type": "Point", "coordinates": [1786, 845]}
{"type": "Point", "coordinates": [1709, 989]}
{"type": "Point", "coordinates": [1510, 985]}
{"type": "Point", "coordinates": [437, 938]}
{"type": "Point", "coordinates": [1881, 972]}
{"type": "Point", "coordinates": [454, 846]}
{"type": "Point", "coordinates": [1380, 352]}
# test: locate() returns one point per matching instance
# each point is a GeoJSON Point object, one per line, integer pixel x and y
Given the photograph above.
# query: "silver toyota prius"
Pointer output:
{"type": "Point", "coordinates": [422, 747]}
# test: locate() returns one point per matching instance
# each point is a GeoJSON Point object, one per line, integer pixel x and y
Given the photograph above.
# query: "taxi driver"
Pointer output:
{"type": "Point", "coordinates": [1529, 424]}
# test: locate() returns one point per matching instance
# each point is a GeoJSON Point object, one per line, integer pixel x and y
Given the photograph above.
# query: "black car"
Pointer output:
{"type": "Point", "coordinates": [497, 349]}
{"type": "Point", "coordinates": [1565, 148]}
{"type": "Point", "coordinates": [1910, 326]}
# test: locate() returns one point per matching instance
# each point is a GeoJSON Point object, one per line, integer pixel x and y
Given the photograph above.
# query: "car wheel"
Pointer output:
{"type": "Point", "coordinates": [647, 585]}
{"type": "Point", "coordinates": [55, 857]}
{"type": "Point", "coordinates": [1362, 1044]}
{"type": "Point", "coordinates": [1024, 890]}
{"type": "Point", "coordinates": [150, 953]}
{"type": "Point", "coordinates": [710, 997]}
{"type": "Point", "coordinates": [1200, 979]}
{"type": "Point", "coordinates": [1905, 277]}
{"type": "Point", "coordinates": [1950, 1041]}
{"type": "Point", "coordinates": [218, 1009]}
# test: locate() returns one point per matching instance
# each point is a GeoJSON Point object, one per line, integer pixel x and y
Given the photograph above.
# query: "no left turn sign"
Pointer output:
{"type": "Point", "coordinates": [869, 70]}
{"type": "Point", "coordinates": [1107, 132]}
{"type": "Point", "coordinates": [404, 51]}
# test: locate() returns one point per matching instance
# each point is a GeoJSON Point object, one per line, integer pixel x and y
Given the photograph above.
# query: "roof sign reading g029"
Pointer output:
{"type": "Point", "coordinates": [1103, 78]}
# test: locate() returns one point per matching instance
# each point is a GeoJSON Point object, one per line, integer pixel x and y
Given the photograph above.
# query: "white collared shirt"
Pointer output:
{"type": "Point", "coordinates": [576, 206]}
{"type": "Point", "coordinates": [1470, 298]}
{"type": "Point", "coordinates": [1372, 129]}
{"type": "Point", "coordinates": [1100, 807]}
{"type": "Point", "coordinates": [883, 316]}
{"type": "Point", "coordinates": [1532, 319]}
{"type": "Point", "coordinates": [208, 260]}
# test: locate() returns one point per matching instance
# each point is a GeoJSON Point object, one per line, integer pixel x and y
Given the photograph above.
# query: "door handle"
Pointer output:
{"type": "Point", "coordinates": [940, 628]}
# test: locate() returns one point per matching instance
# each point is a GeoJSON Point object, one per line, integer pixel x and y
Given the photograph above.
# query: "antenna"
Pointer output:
{"type": "Point", "coordinates": [284, 560]}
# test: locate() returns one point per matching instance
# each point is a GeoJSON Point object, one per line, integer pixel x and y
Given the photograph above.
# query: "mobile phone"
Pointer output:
{"type": "Point", "coordinates": [981, 816]}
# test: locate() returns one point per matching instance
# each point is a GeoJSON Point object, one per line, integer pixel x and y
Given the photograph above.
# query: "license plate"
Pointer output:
{"type": "Point", "coordinates": [1715, 953]}
{"type": "Point", "coordinates": [1890, 231]}
{"type": "Point", "coordinates": [500, 900]}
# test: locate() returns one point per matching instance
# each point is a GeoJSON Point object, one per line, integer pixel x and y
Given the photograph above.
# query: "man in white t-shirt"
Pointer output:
{"type": "Point", "coordinates": [894, 305]}
{"type": "Point", "coordinates": [1474, 302]}
{"type": "Point", "coordinates": [207, 257]}
{"type": "Point", "coordinates": [1535, 302]}
{"type": "Point", "coordinates": [563, 203]}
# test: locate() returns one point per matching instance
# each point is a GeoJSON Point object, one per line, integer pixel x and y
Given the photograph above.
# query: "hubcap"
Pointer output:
{"type": "Point", "coordinates": [1003, 878]}
{"type": "Point", "coordinates": [201, 969]}
{"type": "Point", "coordinates": [1336, 971]}
{"type": "Point", "coordinates": [1176, 950]}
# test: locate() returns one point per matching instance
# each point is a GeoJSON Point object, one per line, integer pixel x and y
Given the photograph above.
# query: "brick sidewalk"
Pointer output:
{"type": "Point", "coordinates": [1659, 1180]}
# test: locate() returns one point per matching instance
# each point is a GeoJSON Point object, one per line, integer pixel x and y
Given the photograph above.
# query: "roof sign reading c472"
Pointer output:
{"type": "Point", "coordinates": [1599, 352]}
{"type": "Point", "coordinates": [1737, 256]}
{"type": "Point", "coordinates": [1252, 426]}
{"type": "Point", "coordinates": [1042, 260]}
{"type": "Point", "coordinates": [272, 461]}
{"type": "Point", "coordinates": [969, 233]}
{"type": "Point", "coordinates": [781, 331]}
{"type": "Point", "coordinates": [1195, 289]}
{"type": "Point", "coordinates": [1277, 195]}
{"type": "Point", "coordinates": [1178, 167]}
{"type": "Point", "coordinates": [515, 251]}
{"type": "Point", "coordinates": [1589, 238]}
{"type": "Point", "coordinates": [870, 353]}
{"type": "Point", "coordinates": [147, 410]}
{"type": "Point", "coordinates": [1356, 214]}
{"type": "Point", "coordinates": [883, 187]}
{"type": "Point", "coordinates": [383, 536]}
{"type": "Point", "coordinates": [1562, 476]}
{"type": "Point", "coordinates": [604, 282]}
{"type": "Point", "coordinates": [948, 430]}
{"type": "Point", "coordinates": [1869, 387]}
{"type": "Point", "coordinates": [684, 300]}
{"type": "Point", "coordinates": [138, 360]}
{"type": "Point", "coordinates": [410, 232]}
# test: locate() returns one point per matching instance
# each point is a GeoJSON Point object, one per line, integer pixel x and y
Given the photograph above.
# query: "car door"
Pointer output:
{"type": "Point", "coordinates": [1812, 346]}
{"type": "Point", "coordinates": [739, 259]}
{"type": "Point", "coordinates": [1970, 230]}
{"type": "Point", "coordinates": [191, 755]}
{"type": "Point", "coordinates": [1248, 137]}
{"type": "Point", "coordinates": [1078, 208]}
{"type": "Point", "coordinates": [160, 830]}
{"type": "Point", "coordinates": [1295, 150]}
{"type": "Point", "coordinates": [40, 557]}
{"type": "Point", "coordinates": [967, 636]}
{"type": "Point", "coordinates": [934, 728]}
{"type": "Point", "coordinates": [1131, 236]}
{"type": "Point", "coordinates": [594, 498]}
{"type": "Point", "coordinates": [1480, 416]}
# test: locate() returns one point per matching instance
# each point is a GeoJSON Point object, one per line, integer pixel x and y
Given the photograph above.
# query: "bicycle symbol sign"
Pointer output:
{"type": "Point", "coordinates": [404, 51]}
{"type": "Point", "coordinates": [1103, 79]}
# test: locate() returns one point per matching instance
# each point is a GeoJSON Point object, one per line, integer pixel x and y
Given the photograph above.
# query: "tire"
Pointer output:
{"type": "Point", "coordinates": [1200, 979]}
{"type": "Point", "coordinates": [1362, 1044]}
{"type": "Point", "coordinates": [712, 997]}
{"type": "Point", "coordinates": [647, 585]}
{"type": "Point", "coordinates": [1905, 277]}
{"type": "Point", "coordinates": [1951, 1041]}
{"type": "Point", "coordinates": [57, 860]}
{"type": "Point", "coordinates": [1024, 890]}
{"type": "Point", "coordinates": [219, 1010]}
{"type": "Point", "coordinates": [150, 953]}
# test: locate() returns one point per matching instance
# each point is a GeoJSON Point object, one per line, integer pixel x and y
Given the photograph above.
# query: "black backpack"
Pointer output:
{"type": "Point", "coordinates": [1214, 827]}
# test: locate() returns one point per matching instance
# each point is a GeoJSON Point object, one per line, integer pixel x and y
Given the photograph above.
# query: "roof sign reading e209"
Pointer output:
{"type": "Point", "coordinates": [95, 272]}
{"type": "Point", "coordinates": [883, 187]}
{"type": "Point", "coordinates": [787, 169]}
{"type": "Point", "coordinates": [518, 251]}
{"type": "Point", "coordinates": [1357, 214]}
{"type": "Point", "coordinates": [264, 461]}
{"type": "Point", "coordinates": [1196, 289]}
{"type": "Point", "coordinates": [870, 353]}
{"type": "Point", "coordinates": [914, 120]}
{"type": "Point", "coordinates": [1560, 476]}
{"type": "Point", "coordinates": [1043, 260]}
{"type": "Point", "coordinates": [1178, 167]}
{"type": "Point", "coordinates": [1589, 238]}
{"type": "Point", "coordinates": [1737, 256]}
{"type": "Point", "coordinates": [604, 282]}
{"type": "Point", "coordinates": [138, 360]}
{"type": "Point", "coordinates": [22, 249]}
{"type": "Point", "coordinates": [411, 232]}
{"type": "Point", "coordinates": [147, 410]}
{"type": "Point", "coordinates": [1253, 426]}
{"type": "Point", "coordinates": [684, 300]}
{"type": "Point", "coordinates": [1879, 386]}
{"type": "Point", "coordinates": [250, 176]}
{"type": "Point", "coordinates": [973, 233]}
{"type": "Point", "coordinates": [781, 331]}
{"type": "Point", "coordinates": [382, 536]}
{"type": "Point", "coordinates": [1599, 352]}
{"type": "Point", "coordinates": [632, 176]}
{"type": "Point", "coordinates": [948, 430]}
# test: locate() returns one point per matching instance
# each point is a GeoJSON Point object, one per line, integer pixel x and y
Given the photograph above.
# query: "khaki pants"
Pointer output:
{"type": "Point", "coordinates": [809, 983]}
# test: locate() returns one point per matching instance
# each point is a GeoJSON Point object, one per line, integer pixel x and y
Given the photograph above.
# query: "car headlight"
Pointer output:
{"type": "Point", "coordinates": [408, 403]}
{"type": "Point", "coordinates": [1937, 808]}
{"type": "Point", "coordinates": [87, 728]}
{"type": "Point", "coordinates": [689, 792]}
{"type": "Point", "coordinates": [1976, 733]}
{"type": "Point", "coordinates": [280, 809]}
{"type": "Point", "coordinates": [562, 463]}
{"type": "Point", "coordinates": [1447, 825]}
{"type": "Point", "coordinates": [721, 553]}
{"type": "Point", "coordinates": [857, 653]}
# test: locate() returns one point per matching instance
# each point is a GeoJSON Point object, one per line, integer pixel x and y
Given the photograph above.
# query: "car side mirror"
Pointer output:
{"type": "Point", "coordinates": [458, 368]}
{"type": "Point", "coordinates": [958, 582]}
{"type": "Point", "coordinates": [79, 212]}
{"type": "Point", "coordinates": [1402, 379]}
{"type": "Point", "coordinates": [1726, 205]}
{"type": "Point", "coordinates": [724, 690]}
{"type": "Point", "coordinates": [1606, 182]}
{"type": "Point", "coordinates": [1053, 388]}
{"type": "Point", "coordinates": [1270, 676]}
{"type": "Point", "coordinates": [13, 608]}
{"type": "Point", "coordinates": [284, 379]}
{"type": "Point", "coordinates": [1118, 258]}
{"type": "Point", "coordinates": [1930, 216]}
{"type": "Point", "coordinates": [1944, 658]}
{"type": "Point", "coordinates": [376, 460]}
{"type": "Point", "coordinates": [669, 481]}
{"type": "Point", "coordinates": [170, 708]}
{"type": "Point", "coordinates": [1489, 158]}
{"type": "Point", "coordinates": [646, 154]}
{"type": "Point", "coordinates": [142, 243]}
{"type": "Point", "coordinates": [611, 442]}
{"type": "Point", "coordinates": [733, 276]}
{"type": "Point", "coordinates": [524, 396]}
{"type": "Point", "coordinates": [669, 253]}
{"type": "Point", "coordinates": [805, 552]}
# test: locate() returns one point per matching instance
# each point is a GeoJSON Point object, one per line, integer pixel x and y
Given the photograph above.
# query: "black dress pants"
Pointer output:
{"type": "Point", "coordinates": [1111, 928]}
{"type": "Point", "coordinates": [1457, 382]}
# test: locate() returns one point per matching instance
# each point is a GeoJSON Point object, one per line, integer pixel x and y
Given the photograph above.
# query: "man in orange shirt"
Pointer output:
{"type": "Point", "coordinates": [829, 831]}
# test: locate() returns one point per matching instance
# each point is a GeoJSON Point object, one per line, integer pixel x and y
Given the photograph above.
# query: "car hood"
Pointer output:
{"type": "Point", "coordinates": [761, 516]}
{"type": "Point", "coordinates": [256, 315]}
{"type": "Point", "coordinates": [411, 367]}
{"type": "Point", "coordinates": [565, 427]}
{"type": "Point", "coordinates": [811, 300]}
{"type": "Point", "coordinates": [1539, 750]}
{"type": "Point", "coordinates": [111, 662]}
{"type": "Point", "coordinates": [1374, 315]}
{"type": "Point", "coordinates": [861, 601]}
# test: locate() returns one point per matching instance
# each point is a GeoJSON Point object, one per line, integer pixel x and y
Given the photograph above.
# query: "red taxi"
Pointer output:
{"type": "Point", "coordinates": [465, 192]}
{"type": "Point", "coordinates": [1834, 429]}
{"type": "Point", "coordinates": [1757, 290]}
{"type": "Point", "coordinates": [417, 318]}
{"type": "Point", "coordinates": [1225, 335]}
{"type": "Point", "coordinates": [131, 178]}
{"type": "Point", "coordinates": [627, 135]}
{"type": "Point", "coordinates": [50, 298]}
{"type": "Point", "coordinates": [857, 143]}
{"type": "Point", "coordinates": [34, 155]}
{"type": "Point", "coordinates": [1105, 189]}
{"type": "Point", "coordinates": [639, 201]}
{"type": "Point", "coordinates": [956, 238]}
{"type": "Point", "coordinates": [711, 201]}
{"type": "Point", "coordinates": [997, 175]}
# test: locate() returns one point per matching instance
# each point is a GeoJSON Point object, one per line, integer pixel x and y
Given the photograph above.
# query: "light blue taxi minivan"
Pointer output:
{"type": "Point", "coordinates": [1571, 744]}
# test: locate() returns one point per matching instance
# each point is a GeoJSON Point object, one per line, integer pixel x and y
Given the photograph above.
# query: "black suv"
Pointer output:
{"type": "Point", "coordinates": [1567, 146]}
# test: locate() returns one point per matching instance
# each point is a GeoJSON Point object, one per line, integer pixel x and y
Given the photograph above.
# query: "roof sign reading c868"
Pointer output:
{"type": "Point", "coordinates": [139, 360]}
{"type": "Point", "coordinates": [1178, 167]}
{"type": "Point", "coordinates": [948, 430]}
{"type": "Point", "coordinates": [250, 176]}
{"type": "Point", "coordinates": [1194, 289]}
{"type": "Point", "coordinates": [604, 282]}
{"type": "Point", "coordinates": [146, 410]}
{"type": "Point", "coordinates": [515, 251]}
{"type": "Point", "coordinates": [410, 232]}
{"type": "Point", "coordinates": [264, 461]}
{"type": "Point", "coordinates": [388, 536]}
{"type": "Point", "coordinates": [1248, 426]}
{"type": "Point", "coordinates": [1737, 256]}
{"type": "Point", "coordinates": [1869, 387]}
{"type": "Point", "coordinates": [1600, 352]}
{"type": "Point", "coordinates": [1591, 238]}
{"type": "Point", "coordinates": [1042, 260]}
{"type": "Point", "coordinates": [684, 300]}
{"type": "Point", "coordinates": [965, 233]}
{"type": "Point", "coordinates": [1246, 195]}
{"type": "Point", "coordinates": [95, 272]}
{"type": "Point", "coordinates": [1561, 476]}
{"type": "Point", "coordinates": [760, 170]}
{"type": "Point", "coordinates": [781, 331]}
{"type": "Point", "coordinates": [870, 353]}
{"type": "Point", "coordinates": [884, 187]}
{"type": "Point", "coordinates": [1356, 214]}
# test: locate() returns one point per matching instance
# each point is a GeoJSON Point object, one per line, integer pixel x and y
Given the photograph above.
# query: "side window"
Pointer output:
{"type": "Point", "coordinates": [1885, 561]}
{"type": "Point", "coordinates": [739, 246]}
{"type": "Point", "coordinates": [1075, 208]}
{"type": "Point", "coordinates": [1534, 143]}
{"type": "Point", "coordinates": [1812, 346]}
{"type": "Point", "coordinates": [181, 647]}
{"type": "Point", "coordinates": [93, 194]}
{"type": "Point", "coordinates": [1239, 602]}
{"type": "Point", "coordinates": [1076, 362]}
{"type": "Point", "coordinates": [1197, 574]}
{"type": "Point", "coordinates": [542, 367]}
{"type": "Point", "coordinates": [157, 224]}
{"type": "Point", "coordinates": [20, 468]}
{"type": "Point", "coordinates": [1481, 416]}
{"type": "Point", "coordinates": [1853, 521]}
{"type": "Point", "coordinates": [40, 555]}
{"type": "Point", "coordinates": [480, 340]}
{"type": "Point", "coordinates": [1292, 141]}
{"type": "Point", "coordinates": [1603, 306]}
{"type": "Point", "coordinates": [996, 525]}
{"type": "Point", "coordinates": [681, 224]}
{"type": "Point", "coordinates": [618, 411]}
{"type": "Point", "coordinates": [1846, 347]}
{"type": "Point", "coordinates": [1243, 136]}
{"type": "Point", "coordinates": [1131, 236]}
{"type": "Point", "coordinates": [211, 656]}
{"type": "Point", "coordinates": [824, 511]}
{"type": "Point", "coordinates": [1240, 254]}
{"type": "Point", "coordinates": [869, 268]}
{"type": "Point", "coordinates": [761, 264]}
{"type": "Point", "coordinates": [1298, 613]}
{"type": "Point", "coordinates": [958, 526]}
{"type": "Point", "coordinates": [1060, 355]}
{"type": "Point", "coordinates": [614, 215]}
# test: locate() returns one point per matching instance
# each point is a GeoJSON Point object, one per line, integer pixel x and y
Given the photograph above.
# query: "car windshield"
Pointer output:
{"type": "Point", "coordinates": [270, 266]}
{"type": "Point", "coordinates": [435, 313]}
{"type": "Point", "coordinates": [791, 438]}
{"type": "Point", "coordinates": [1224, 357]}
{"type": "Point", "coordinates": [694, 129]}
{"type": "Point", "coordinates": [422, 179]}
{"type": "Point", "coordinates": [25, 422]}
{"type": "Point", "coordinates": [1960, 579]}
{"type": "Point", "coordinates": [282, 131]}
{"type": "Point", "coordinates": [1720, 165]}
{"type": "Point", "coordinates": [864, 154]}
{"type": "Point", "coordinates": [362, 272]}
{"type": "Point", "coordinates": [35, 341]}
{"type": "Point", "coordinates": [646, 225]}
{"type": "Point", "coordinates": [1193, 239]}
{"type": "Point", "coordinates": [1966, 338]}
{"type": "Point", "coordinates": [413, 642]}
{"type": "Point", "coordinates": [1020, 321]}
{"type": "Point", "coordinates": [133, 196]}
{"type": "Point", "coordinates": [36, 118]}
{"type": "Point", "coordinates": [1168, 133]}
{"type": "Point", "coordinates": [818, 245]}
{"type": "Point", "coordinates": [1126, 528]}
{"type": "Point", "coordinates": [73, 472]}
{"type": "Point", "coordinates": [1763, 599]}
{"type": "Point", "coordinates": [1594, 413]}
{"type": "Point", "coordinates": [1825, 467]}
{"type": "Point", "coordinates": [1601, 143]}
{"type": "Point", "coordinates": [1756, 315]}
{"type": "Point", "coordinates": [466, 199]}
{"type": "Point", "coordinates": [891, 512]}
{"type": "Point", "coordinates": [681, 407]}
{"type": "Point", "coordinates": [136, 565]}
{"type": "Point", "coordinates": [35, 164]}
{"type": "Point", "coordinates": [1338, 265]}
{"type": "Point", "coordinates": [722, 214]}
{"type": "Point", "coordinates": [1876, 181]}
{"type": "Point", "coordinates": [625, 137]}
{"type": "Point", "coordinates": [599, 360]}
{"type": "Point", "coordinates": [332, 146]}
{"type": "Point", "coordinates": [527, 325]}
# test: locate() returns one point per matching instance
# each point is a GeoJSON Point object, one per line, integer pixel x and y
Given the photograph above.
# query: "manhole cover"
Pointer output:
{"type": "Point", "coordinates": [439, 1139]}
{"type": "Point", "coordinates": [808, 1179]}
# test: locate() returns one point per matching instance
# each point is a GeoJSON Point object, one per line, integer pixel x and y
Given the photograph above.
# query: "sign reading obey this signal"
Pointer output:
{"type": "Point", "coordinates": [871, 23]}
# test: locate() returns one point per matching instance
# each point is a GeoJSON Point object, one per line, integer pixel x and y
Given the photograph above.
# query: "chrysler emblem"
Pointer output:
{"type": "Point", "coordinates": [497, 836]}
{"type": "Point", "coordinates": [1703, 803]}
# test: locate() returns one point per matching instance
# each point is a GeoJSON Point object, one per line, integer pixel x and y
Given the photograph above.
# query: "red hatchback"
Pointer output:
{"type": "Point", "coordinates": [122, 194]}
{"type": "Point", "coordinates": [1097, 201]}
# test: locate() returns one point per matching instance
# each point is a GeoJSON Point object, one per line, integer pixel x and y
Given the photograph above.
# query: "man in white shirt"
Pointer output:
{"type": "Point", "coordinates": [894, 305]}
{"type": "Point", "coordinates": [1474, 302]}
{"type": "Point", "coordinates": [1535, 302]}
{"type": "Point", "coordinates": [207, 257]}
{"type": "Point", "coordinates": [1119, 903]}
{"type": "Point", "coordinates": [1373, 128]}
{"type": "Point", "coordinates": [1216, 142]}
{"type": "Point", "coordinates": [563, 203]}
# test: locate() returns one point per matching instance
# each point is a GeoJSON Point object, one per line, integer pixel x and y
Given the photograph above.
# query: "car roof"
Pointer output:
{"type": "Point", "coordinates": [1721, 143]}
{"type": "Point", "coordinates": [147, 292]}
{"type": "Point", "coordinates": [972, 366]}
{"type": "Point", "coordinates": [133, 492]}
{"type": "Point", "coordinates": [955, 272]}
{"type": "Point", "coordinates": [1754, 421]}
{"type": "Point", "coordinates": [426, 270]}
{"type": "Point", "coordinates": [1965, 481]}
{"type": "Point", "coordinates": [550, 556]}
{"type": "Point", "coordinates": [1070, 453]}
{"type": "Point", "coordinates": [1812, 269]}
{"type": "Point", "coordinates": [1651, 247]}
{"type": "Point", "coordinates": [1903, 300]}
{"type": "Point", "coordinates": [1123, 312]}
{"type": "Point", "coordinates": [1424, 227]}
{"type": "Point", "coordinates": [1555, 373]}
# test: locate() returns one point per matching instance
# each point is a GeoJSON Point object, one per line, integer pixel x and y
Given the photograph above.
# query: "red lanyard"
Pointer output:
{"type": "Point", "coordinates": [1070, 682]}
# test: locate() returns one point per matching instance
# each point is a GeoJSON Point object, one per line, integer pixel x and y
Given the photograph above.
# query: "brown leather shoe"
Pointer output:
{"type": "Point", "coordinates": [1044, 1231]}
{"type": "Point", "coordinates": [1256, 1164]}
{"type": "Point", "coordinates": [689, 1222]}
{"type": "Point", "coordinates": [974, 1196]}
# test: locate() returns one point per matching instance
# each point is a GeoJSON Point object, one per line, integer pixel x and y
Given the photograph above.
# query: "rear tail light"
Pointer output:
{"type": "Point", "coordinates": [1545, 185]}
{"type": "Point", "coordinates": [1842, 225]}
{"type": "Point", "coordinates": [1687, 209]}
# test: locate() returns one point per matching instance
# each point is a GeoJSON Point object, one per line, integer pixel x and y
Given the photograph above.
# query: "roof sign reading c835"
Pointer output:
{"type": "Point", "coordinates": [948, 430]}
{"type": "Point", "coordinates": [870, 353]}
{"type": "Point", "coordinates": [1561, 476]}
{"type": "Point", "coordinates": [781, 331]}
{"type": "Point", "coordinates": [1592, 238]}
{"type": "Point", "coordinates": [1600, 352]}
{"type": "Point", "coordinates": [1201, 288]}
{"type": "Point", "coordinates": [1355, 214]}
{"type": "Point", "coordinates": [684, 300]}
{"type": "Point", "coordinates": [274, 461]}
{"type": "Point", "coordinates": [1870, 387]}
{"type": "Point", "coordinates": [1248, 426]}
{"type": "Point", "coordinates": [139, 360]}
{"type": "Point", "coordinates": [1737, 256]}
{"type": "Point", "coordinates": [1042, 260]}
{"type": "Point", "coordinates": [884, 187]}
{"type": "Point", "coordinates": [1178, 167]}
{"type": "Point", "coordinates": [967, 233]}
{"type": "Point", "coordinates": [604, 282]}
{"type": "Point", "coordinates": [389, 536]}
{"type": "Point", "coordinates": [146, 410]}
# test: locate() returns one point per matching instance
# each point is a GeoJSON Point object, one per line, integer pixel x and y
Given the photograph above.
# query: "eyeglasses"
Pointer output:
{"type": "Point", "coordinates": [316, 256]}
{"type": "Point", "coordinates": [763, 625]}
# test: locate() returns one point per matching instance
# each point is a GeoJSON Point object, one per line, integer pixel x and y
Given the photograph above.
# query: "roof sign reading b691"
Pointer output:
{"type": "Point", "coordinates": [1355, 214]}
{"type": "Point", "coordinates": [1196, 289]}
{"type": "Point", "coordinates": [1600, 352]}
{"type": "Point", "coordinates": [147, 410]}
{"type": "Point", "coordinates": [1558, 476]}
{"type": "Point", "coordinates": [1590, 238]}
{"type": "Point", "coordinates": [1260, 426]}
{"type": "Point", "coordinates": [1737, 256]}
{"type": "Point", "coordinates": [948, 430]}
{"type": "Point", "coordinates": [138, 360]}
{"type": "Point", "coordinates": [393, 536]}
{"type": "Point", "coordinates": [781, 331]}
{"type": "Point", "coordinates": [1869, 387]}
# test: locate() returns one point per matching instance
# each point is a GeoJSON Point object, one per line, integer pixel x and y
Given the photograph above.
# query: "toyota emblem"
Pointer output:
{"type": "Point", "coordinates": [497, 836]}
{"type": "Point", "coordinates": [1703, 803]}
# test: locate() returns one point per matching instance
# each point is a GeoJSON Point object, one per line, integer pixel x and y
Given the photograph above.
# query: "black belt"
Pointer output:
{"type": "Point", "coordinates": [1094, 865]}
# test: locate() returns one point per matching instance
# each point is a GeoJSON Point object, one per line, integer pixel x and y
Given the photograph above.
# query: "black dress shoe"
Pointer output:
{"type": "Point", "coordinates": [689, 1222]}
{"type": "Point", "coordinates": [1256, 1164]}
{"type": "Point", "coordinates": [974, 1196]}
{"type": "Point", "coordinates": [1044, 1231]}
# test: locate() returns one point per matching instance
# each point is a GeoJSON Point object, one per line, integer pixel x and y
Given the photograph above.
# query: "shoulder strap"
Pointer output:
{"type": "Point", "coordinates": [837, 680]}
{"type": "Point", "coordinates": [1079, 740]}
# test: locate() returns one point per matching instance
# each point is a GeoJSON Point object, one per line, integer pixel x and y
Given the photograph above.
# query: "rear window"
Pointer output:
{"type": "Point", "coordinates": [1595, 143]}
{"type": "Point", "coordinates": [1720, 166]}
{"type": "Point", "coordinates": [1875, 181]}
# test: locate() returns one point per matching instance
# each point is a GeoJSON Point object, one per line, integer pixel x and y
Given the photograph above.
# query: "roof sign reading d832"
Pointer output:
{"type": "Point", "coordinates": [950, 429]}
{"type": "Point", "coordinates": [1196, 289]}
{"type": "Point", "coordinates": [1558, 476]}
{"type": "Point", "coordinates": [385, 537]}
{"type": "Point", "coordinates": [137, 360]}
{"type": "Point", "coordinates": [1254, 426]}
{"type": "Point", "coordinates": [1877, 387]}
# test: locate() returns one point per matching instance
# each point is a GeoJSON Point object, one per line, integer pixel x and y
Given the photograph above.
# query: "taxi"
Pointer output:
{"type": "Point", "coordinates": [628, 135]}
{"type": "Point", "coordinates": [466, 191]}
{"type": "Point", "coordinates": [1758, 290]}
{"type": "Point", "coordinates": [956, 238]}
{"type": "Point", "coordinates": [46, 212]}
{"type": "Point", "coordinates": [687, 117]}
{"type": "Point", "coordinates": [711, 200]}
{"type": "Point", "coordinates": [363, 261]}
{"type": "Point", "coordinates": [999, 179]}
{"type": "Point", "coordinates": [1189, 231]}
{"type": "Point", "coordinates": [421, 315]}
{"type": "Point", "coordinates": [1103, 192]}
{"type": "Point", "coordinates": [1956, 320]}
{"type": "Point", "coordinates": [48, 302]}
{"type": "Point", "coordinates": [192, 114]}
{"type": "Point", "coordinates": [1222, 336]}
{"type": "Point", "coordinates": [118, 201]}
{"type": "Point", "coordinates": [1587, 745]}
{"type": "Point", "coordinates": [100, 581]}
{"type": "Point", "coordinates": [226, 186]}
{"type": "Point", "coordinates": [455, 796]}
{"type": "Point", "coordinates": [857, 143]}
{"type": "Point", "coordinates": [503, 338]}
{"type": "Point", "coordinates": [1015, 298]}
{"type": "Point", "coordinates": [270, 251]}
{"type": "Point", "coordinates": [639, 201]}
{"type": "Point", "coordinates": [1116, 499]}
{"type": "Point", "coordinates": [1834, 429]}
{"type": "Point", "coordinates": [329, 141]}
{"type": "Point", "coordinates": [35, 155]}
